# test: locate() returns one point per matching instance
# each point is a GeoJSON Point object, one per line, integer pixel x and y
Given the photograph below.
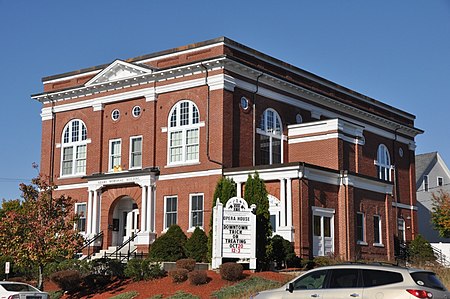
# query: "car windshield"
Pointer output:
{"type": "Point", "coordinates": [427, 279]}
{"type": "Point", "coordinates": [18, 287]}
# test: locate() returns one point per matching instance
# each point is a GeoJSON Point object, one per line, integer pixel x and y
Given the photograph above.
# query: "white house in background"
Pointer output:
{"type": "Point", "coordinates": [432, 175]}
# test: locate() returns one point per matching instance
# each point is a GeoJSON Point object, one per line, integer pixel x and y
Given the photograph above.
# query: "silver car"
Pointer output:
{"type": "Point", "coordinates": [362, 281]}
{"type": "Point", "coordinates": [18, 290]}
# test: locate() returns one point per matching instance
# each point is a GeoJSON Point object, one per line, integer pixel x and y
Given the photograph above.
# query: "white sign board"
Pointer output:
{"type": "Point", "coordinates": [234, 232]}
{"type": "Point", "coordinates": [7, 266]}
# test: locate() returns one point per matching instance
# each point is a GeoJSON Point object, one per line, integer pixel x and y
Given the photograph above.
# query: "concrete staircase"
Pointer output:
{"type": "Point", "coordinates": [113, 252]}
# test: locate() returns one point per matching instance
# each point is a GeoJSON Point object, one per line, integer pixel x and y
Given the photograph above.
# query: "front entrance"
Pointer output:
{"type": "Point", "coordinates": [323, 231]}
{"type": "Point", "coordinates": [125, 221]}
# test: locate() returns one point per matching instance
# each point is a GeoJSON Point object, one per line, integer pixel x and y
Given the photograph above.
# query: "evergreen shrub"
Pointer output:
{"type": "Point", "coordinates": [170, 246]}
{"type": "Point", "coordinates": [67, 280]}
{"type": "Point", "coordinates": [197, 246]}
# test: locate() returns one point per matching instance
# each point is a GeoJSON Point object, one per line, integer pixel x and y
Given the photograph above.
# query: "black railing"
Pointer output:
{"type": "Point", "coordinates": [119, 255]}
{"type": "Point", "coordinates": [88, 243]}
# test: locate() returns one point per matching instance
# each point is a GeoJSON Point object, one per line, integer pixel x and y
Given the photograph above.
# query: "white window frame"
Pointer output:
{"type": "Point", "coordinates": [110, 155]}
{"type": "Point", "coordinates": [383, 167]}
{"type": "Point", "coordinates": [274, 210]}
{"type": "Point", "coordinates": [75, 146]}
{"type": "Point", "coordinates": [132, 138]}
{"type": "Point", "coordinates": [426, 183]}
{"type": "Point", "coordinates": [165, 211]}
{"type": "Point", "coordinates": [401, 228]}
{"type": "Point", "coordinates": [442, 181]}
{"type": "Point", "coordinates": [267, 131]}
{"type": "Point", "coordinates": [380, 232]}
{"type": "Point", "coordinates": [191, 211]}
{"type": "Point", "coordinates": [363, 228]}
{"type": "Point", "coordinates": [175, 125]}
{"type": "Point", "coordinates": [78, 204]}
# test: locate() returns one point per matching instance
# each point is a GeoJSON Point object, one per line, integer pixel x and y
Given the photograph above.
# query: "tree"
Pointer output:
{"type": "Point", "coordinates": [9, 205]}
{"type": "Point", "coordinates": [170, 247]}
{"type": "Point", "coordinates": [225, 189]}
{"type": "Point", "coordinates": [440, 215]}
{"type": "Point", "coordinates": [255, 193]}
{"type": "Point", "coordinates": [420, 251]}
{"type": "Point", "coordinates": [196, 246]}
{"type": "Point", "coordinates": [42, 230]}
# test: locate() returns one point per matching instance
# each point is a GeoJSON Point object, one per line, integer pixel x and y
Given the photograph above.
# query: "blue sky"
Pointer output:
{"type": "Point", "coordinates": [397, 52]}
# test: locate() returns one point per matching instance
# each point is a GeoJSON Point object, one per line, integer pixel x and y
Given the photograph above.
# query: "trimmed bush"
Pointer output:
{"type": "Point", "coordinates": [170, 246]}
{"type": "Point", "coordinates": [188, 264]}
{"type": "Point", "coordinates": [420, 251]}
{"type": "Point", "coordinates": [197, 246]}
{"type": "Point", "coordinates": [93, 281]}
{"type": "Point", "coordinates": [179, 275]}
{"type": "Point", "coordinates": [198, 277]}
{"type": "Point", "coordinates": [67, 280]}
{"type": "Point", "coordinates": [106, 266]}
{"type": "Point", "coordinates": [231, 271]}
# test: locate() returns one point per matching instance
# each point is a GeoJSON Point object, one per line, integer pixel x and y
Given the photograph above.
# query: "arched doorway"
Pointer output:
{"type": "Point", "coordinates": [125, 220]}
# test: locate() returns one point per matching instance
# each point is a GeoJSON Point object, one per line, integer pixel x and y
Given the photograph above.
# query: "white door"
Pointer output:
{"type": "Point", "coordinates": [323, 231]}
{"type": "Point", "coordinates": [131, 224]}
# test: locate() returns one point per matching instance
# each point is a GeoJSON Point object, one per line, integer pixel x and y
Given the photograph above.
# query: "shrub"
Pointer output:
{"type": "Point", "coordinates": [67, 280]}
{"type": "Point", "coordinates": [197, 246]}
{"type": "Point", "coordinates": [198, 277]}
{"type": "Point", "coordinates": [320, 261]}
{"type": "Point", "coordinates": [179, 275]}
{"type": "Point", "coordinates": [231, 271]}
{"type": "Point", "coordinates": [420, 251]}
{"type": "Point", "coordinates": [92, 281]}
{"type": "Point", "coordinates": [143, 270]}
{"type": "Point", "coordinates": [188, 264]}
{"type": "Point", "coordinates": [106, 266]}
{"type": "Point", "coordinates": [170, 246]}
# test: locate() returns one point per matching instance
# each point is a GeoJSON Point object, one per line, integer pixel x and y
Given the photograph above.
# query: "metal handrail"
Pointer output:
{"type": "Point", "coordinates": [89, 242]}
{"type": "Point", "coordinates": [440, 257]}
{"type": "Point", "coordinates": [117, 252]}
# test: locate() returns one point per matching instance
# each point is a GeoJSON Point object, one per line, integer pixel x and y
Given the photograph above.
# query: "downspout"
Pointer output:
{"type": "Point", "coordinates": [394, 162]}
{"type": "Point", "coordinates": [155, 106]}
{"type": "Point", "coordinates": [52, 144]}
{"type": "Point", "coordinates": [254, 118]}
{"type": "Point", "coordinates": [208, 99]}
{"type": "Point", "coordinates": [347, 240]}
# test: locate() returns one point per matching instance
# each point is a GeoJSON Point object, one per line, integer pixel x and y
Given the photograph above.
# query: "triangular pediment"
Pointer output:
{"type": "Point", "coordinates": [118, 70]}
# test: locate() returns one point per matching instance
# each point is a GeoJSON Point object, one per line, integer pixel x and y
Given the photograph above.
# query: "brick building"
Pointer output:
{"type": "Point", "coordinates": [141, 143]}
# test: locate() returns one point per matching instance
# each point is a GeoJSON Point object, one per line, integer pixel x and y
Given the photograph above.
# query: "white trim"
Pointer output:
{"type": "Point", "coordinates": [191, 195]}
{"type": "Point", "coordinates": [186, 175]}
{"type": "Point", "coordinates": [77, 204]}
{"type": "Point", "coordinates": [165, 210]}
{"type": "Point", "coordinates": [141, 70]}
{"type": "Point", "coordinates": [404, 206]}
{"type": "Point", "coordinates": [130, 153]}
{"type": "Point", "coordinates": [111, 167]}
{"type": "Point", "coordinates": [380, 232]}
{"type": "Point", "coordinates": [437, 181]}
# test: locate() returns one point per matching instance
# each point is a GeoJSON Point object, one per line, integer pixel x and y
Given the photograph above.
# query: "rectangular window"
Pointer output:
{"type": "Point", "coordinates": [115, 151]}
{"type": "Point", "coordinates": [360, 227]}
{"type": "Point", "coordinates": [401, 230]}
{"type": "Point", "coordinates": [81, 159]}
{"type": "Point", "coordinates": [191, 144]}
{"type": "Point", "coordinates": [196, 210]}
{"type": "Point", "coordinates": [67, 161]}
{"type": "Point", "coordinates": [425, 183]}
{"type": "Point", "coordinates": [440, 181]}
{"type": "Point", "coordinates": [176, 146]}
{"type": "Point", "coordinates": [317, 226]}
{"type": "Point", "coordinates": [136, 152]}
{"type": "Point", "coordinates": [80, 210]}
{"type": "Point", "coordinates": [377, 229]}
{"type": "Point", "coordinates": [170, 211]}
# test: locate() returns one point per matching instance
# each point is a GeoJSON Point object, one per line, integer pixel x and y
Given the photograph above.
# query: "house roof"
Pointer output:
{"type": "Point", "coordinates": [424, 163]}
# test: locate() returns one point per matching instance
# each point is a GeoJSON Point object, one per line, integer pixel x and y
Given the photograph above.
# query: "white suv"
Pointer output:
{"type": "Point", "coordinates": [366, 281]}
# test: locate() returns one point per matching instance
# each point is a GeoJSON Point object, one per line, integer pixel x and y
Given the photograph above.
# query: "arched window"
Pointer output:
{"type": "Point", "coordinates": [183, 129]}
{"type": "Point", "coordinates": [271, 136]}
{"type": "Point", "coordinates": [73, 148]}
{"type": "Point", "coordinates": [383, 163]}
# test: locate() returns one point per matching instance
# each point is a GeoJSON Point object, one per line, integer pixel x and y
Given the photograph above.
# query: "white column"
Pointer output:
{"type": "Point", "coordinates": [289, 202]}
{"type": "Point", "coordinates": [151, 209]}
{"type": "Point", "coordinates": [95, 213]}
{"type": "Point", "coordinates": [283, 202]}
{"type": "Point", "coordinates": [238, 190]}
{"type": "Point", "coordinates": [89, 214]}
{"type": "Point", "coordinates": [144, 209]}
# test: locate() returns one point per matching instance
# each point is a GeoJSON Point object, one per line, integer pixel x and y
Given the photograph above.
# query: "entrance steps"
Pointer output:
{"type": "Point", "coordinates": [115, 252]}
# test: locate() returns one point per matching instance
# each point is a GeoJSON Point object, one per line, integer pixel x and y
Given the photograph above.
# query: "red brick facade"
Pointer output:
{"type": "Point", "coordinates": [220, 108]}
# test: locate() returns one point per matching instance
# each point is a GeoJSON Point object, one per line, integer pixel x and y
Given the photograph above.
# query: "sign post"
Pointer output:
{"type": "Point", "coordinates": [7, 266]}
{"type": "Point", "coordinates": [234, 232]}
